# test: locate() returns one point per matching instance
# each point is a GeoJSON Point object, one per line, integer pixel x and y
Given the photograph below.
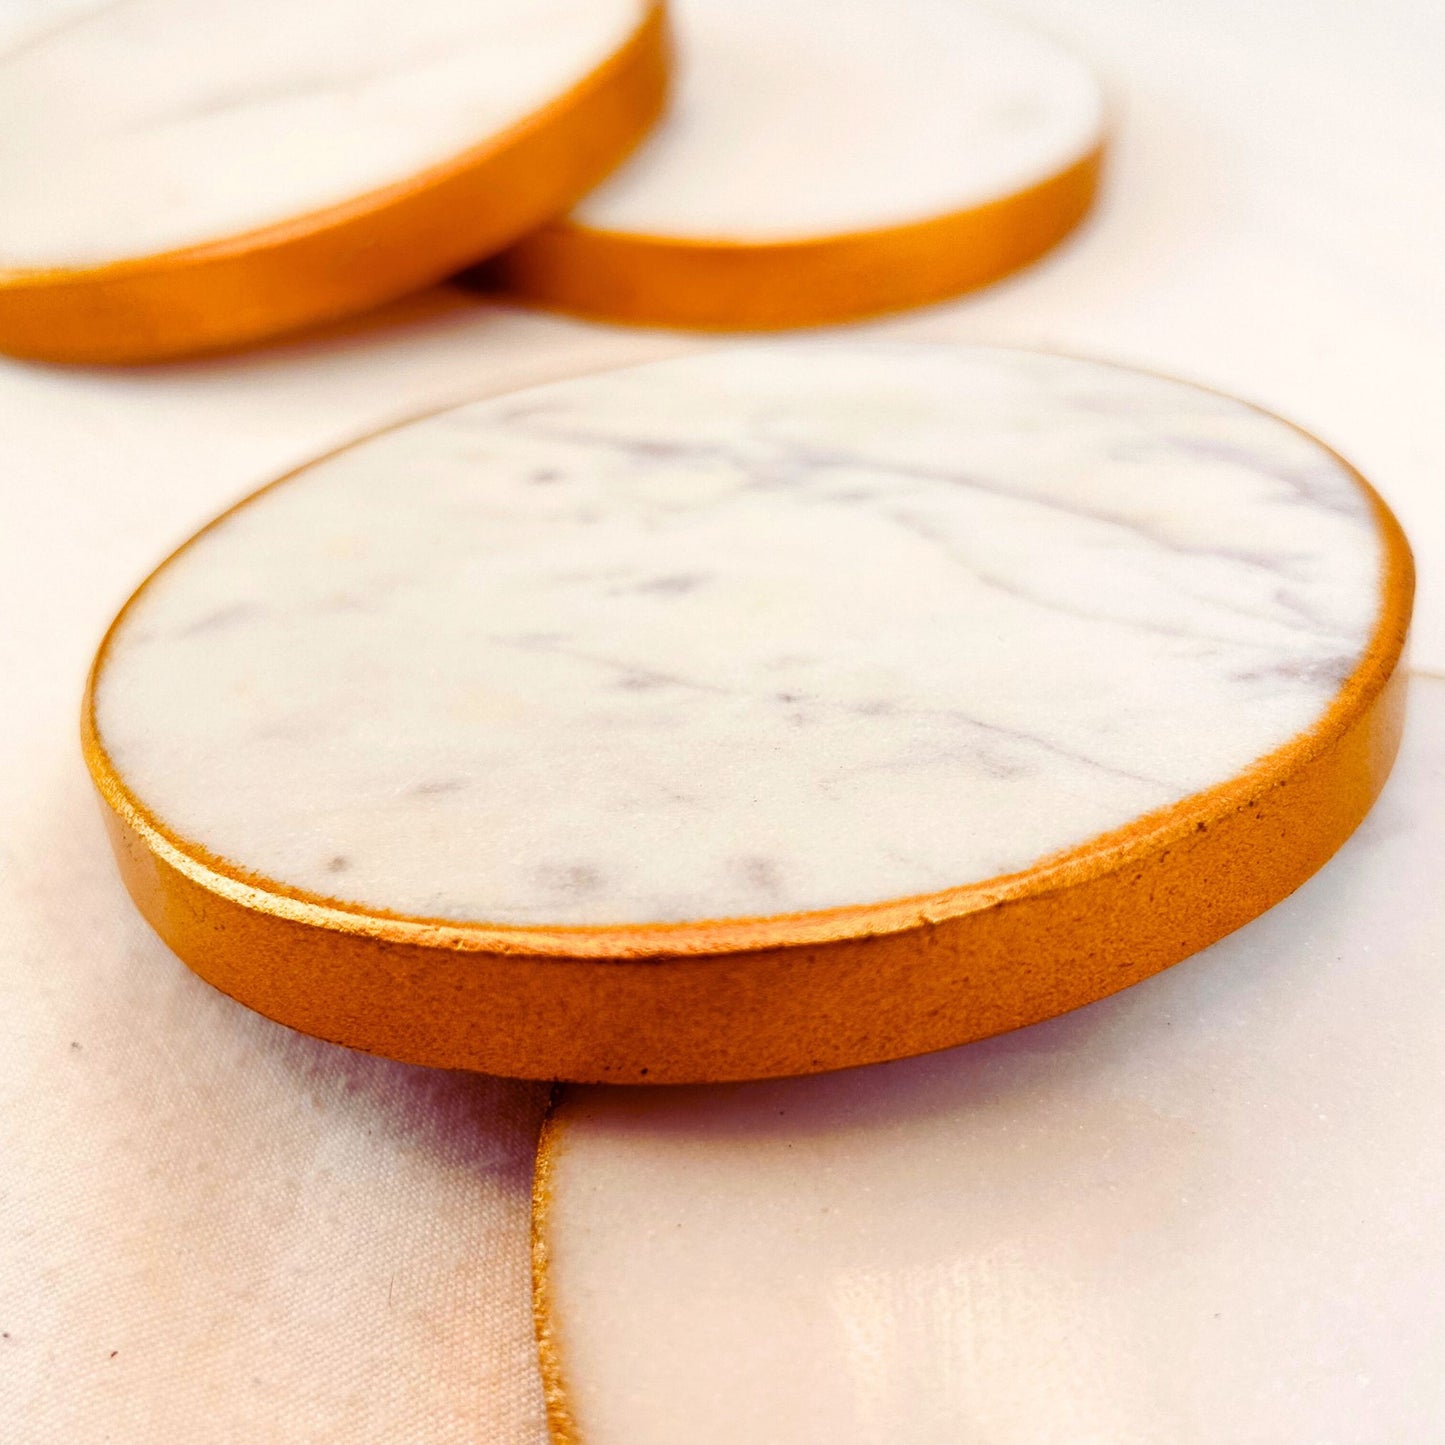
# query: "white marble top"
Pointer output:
{"type": "Point", "coordinates": [758, 631]}
{"type": "Point", "coordinates": [1204, 1210]}
{"type": "Point", "coordinates": [143, 126]}
{"type": "Point", "coordinates": [815, 117]}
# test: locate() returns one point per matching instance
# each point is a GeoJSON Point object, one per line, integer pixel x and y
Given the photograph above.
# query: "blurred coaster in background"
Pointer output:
{"type": "Point", "coordinates": [179, 176]}
{"type": "Point", "coordinates": [762, 712]}
{"type": "Point", "coordinates": [828, 159]}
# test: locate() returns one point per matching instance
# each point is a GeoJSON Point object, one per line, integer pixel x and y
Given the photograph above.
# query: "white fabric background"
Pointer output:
{"type": "Point", "coordinates": [214, 1230]}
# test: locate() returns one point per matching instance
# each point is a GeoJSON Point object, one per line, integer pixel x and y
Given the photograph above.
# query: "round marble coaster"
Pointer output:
{"type": "Point", "coordinates": [236, 171]}
{"type": "Point", "coordinates": [766, 711]}
{"type": "Point", "coordinates": [826, 159]}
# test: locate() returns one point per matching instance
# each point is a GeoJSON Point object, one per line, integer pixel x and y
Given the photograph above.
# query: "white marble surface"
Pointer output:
{"type": "Point", "coordinates": [1207, 1209]}
{"type": "Point", "coordinates": [767, 630]}
{"type": "Point", "coordinates": [140, 126]}
{"type": "Point", "coordinates": [804, 118]}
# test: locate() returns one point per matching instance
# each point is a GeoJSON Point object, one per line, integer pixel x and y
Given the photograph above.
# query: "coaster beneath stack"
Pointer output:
{"type": "Point", "coordinates": [235, 172]}
{"type": "Point", "coordinates": [829, 159]}
{"type": "Point", "coordinates": [762, 712]}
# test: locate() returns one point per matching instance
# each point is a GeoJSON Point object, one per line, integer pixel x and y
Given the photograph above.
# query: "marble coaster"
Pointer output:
{"type": "Point", "coordinates": [237, 171]}
{"type": "Point", "coordinates": [1200, 1211]}
{"type": "Point", "coordinates": [827, 159]}
{"type": "Point", "coordinates": [761, 712]}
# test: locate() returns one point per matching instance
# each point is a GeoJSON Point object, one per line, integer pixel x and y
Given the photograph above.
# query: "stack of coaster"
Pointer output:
{"type": "Point", "coordinates": [236, 172]}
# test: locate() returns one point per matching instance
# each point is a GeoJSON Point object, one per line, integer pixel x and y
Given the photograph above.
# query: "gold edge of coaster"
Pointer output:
{"type": "Point", "coordinates": [561, 1422]}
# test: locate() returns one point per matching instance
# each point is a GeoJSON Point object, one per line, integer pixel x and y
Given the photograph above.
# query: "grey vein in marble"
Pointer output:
{"type": "Point", "coordinates": [772, 629]}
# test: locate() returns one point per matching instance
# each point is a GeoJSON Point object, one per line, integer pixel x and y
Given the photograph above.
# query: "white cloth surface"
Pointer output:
{"type": "Point", "coordinates": [215, 1229]}
{"type": "Point", "coordinates": [282, 1241]}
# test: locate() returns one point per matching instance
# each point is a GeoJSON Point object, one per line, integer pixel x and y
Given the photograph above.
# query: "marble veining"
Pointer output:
{"type": "Point", "coordinates": [148, 125]}
{"type": "Point", "coordinates": [767, 629]}
{"type": "Point", "coordinates": [799, 118]}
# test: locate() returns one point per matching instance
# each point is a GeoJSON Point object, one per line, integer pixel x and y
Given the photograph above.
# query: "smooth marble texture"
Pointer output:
{"type": "Point", "coordinates": [811, 118]}
{"type": "Point", "coordinates": [143, 126]}
{"type": "Point", "coordinates": [1206, 1209]}
{"type": "Point", "coordinates": [759, 631]}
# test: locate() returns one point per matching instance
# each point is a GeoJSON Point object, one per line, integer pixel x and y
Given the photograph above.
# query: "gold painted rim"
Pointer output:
{"type": "Point", "coordinates": [785, 994]}
{"type": "Point", "coordinates": [350, 257]}
{"type": "Point", "coordinates": [561, 1423]}
{"type": "Point", "coordinates": [721, 285]}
